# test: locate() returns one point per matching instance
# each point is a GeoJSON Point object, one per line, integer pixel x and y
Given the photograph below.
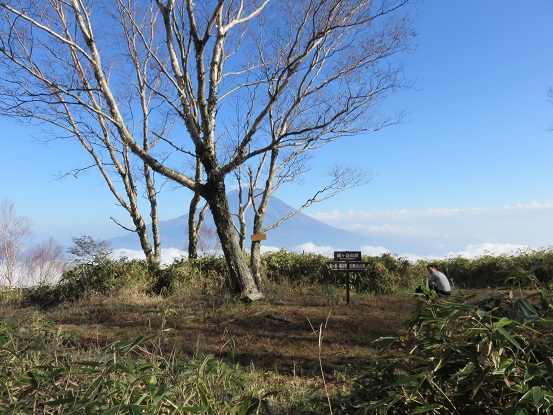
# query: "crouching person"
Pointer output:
{"type": "Point", "coordinates": [437, 281]}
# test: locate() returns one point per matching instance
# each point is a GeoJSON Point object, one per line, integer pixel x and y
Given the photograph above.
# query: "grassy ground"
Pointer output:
{"type": "Point", "coordinates": [280, 334]}
{"type": "Point", "coordinates": [302, 343]}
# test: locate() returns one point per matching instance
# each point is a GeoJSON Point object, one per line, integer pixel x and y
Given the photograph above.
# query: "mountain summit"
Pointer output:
{"type": "Point", "coordinates": [290, 235]}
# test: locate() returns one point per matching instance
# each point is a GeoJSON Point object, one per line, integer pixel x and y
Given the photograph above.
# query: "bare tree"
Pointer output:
{"type": "Point", "coordinates": [307, 73]}
{"type": "Point", "coordinates": [195, 218]}
{"type": "Point", "coordinates": [208, 242]}
{"type": "Point", "coordinates": [15, 236]}
{"type": "Point", "coordinates": [55, 102]}
{"type": "Point", "coordinates": [45, 263]}
{"type": "Point", "coordinates": [88, 251]}
{"type": "Point", "coordinates": [277, 171]}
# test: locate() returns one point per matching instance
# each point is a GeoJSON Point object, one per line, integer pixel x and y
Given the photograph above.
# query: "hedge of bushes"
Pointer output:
{"type": "Point", "coordinates": [384, 274]}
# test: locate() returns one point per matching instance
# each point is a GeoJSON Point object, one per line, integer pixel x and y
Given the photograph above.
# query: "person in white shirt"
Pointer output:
{"type": "Point", "coordinates": [438, 281]}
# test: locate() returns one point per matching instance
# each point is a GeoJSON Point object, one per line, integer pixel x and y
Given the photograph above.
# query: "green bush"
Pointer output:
{"type": "Point", "coordinates": [384, 274]}
{"type": "Point", "coordinates": [10, 295]}
{"type": "Point", "coordinates": [208, 274]}
{"type": "Point", "coordinates": [105, 277]}
{"type": "Point", "coordinates": [387, 274]}
{"type": "Point", "coordinates": [292, 268]}
{"type": "Point", "coordinates": [464, 356]}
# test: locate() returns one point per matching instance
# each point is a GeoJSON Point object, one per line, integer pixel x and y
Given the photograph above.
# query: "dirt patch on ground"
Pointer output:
{"type": "Point", "coordinates": [287, 332]}
{"type": "Point", "coordinates": [289, 335]}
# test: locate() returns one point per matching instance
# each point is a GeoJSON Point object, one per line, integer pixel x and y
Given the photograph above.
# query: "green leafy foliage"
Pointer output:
{"type": "Point", "coordinates": [464, 356]}
{"type": "Point", "coordinates": [207, 273]}
{"type": "Point", "coordinates": [384, 274]}
{"type": "Point", "coordinates": [387, 274]}
{"type": "Point", "coordinates": [129, 376]}
{"type": "Point", "coordinates": [283, 267]}
{"type": "Point", "coordinates": [103, 277]}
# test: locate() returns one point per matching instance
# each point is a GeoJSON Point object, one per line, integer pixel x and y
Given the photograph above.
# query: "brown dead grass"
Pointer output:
{"type": "Point", "coordinates": [279, 334]}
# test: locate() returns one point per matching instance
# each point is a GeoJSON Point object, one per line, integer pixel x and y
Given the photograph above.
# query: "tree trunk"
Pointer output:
{"type": "Point", "coordinates": [242, 281]}
{"type": "Point", "coordinates": [255, 250]}
{"type": "Point", "coordinates": [255, 262]}
{"type": "Point", "coordinates": [153, 256]}
{"type": "Point", "coordinates": [193, 230]}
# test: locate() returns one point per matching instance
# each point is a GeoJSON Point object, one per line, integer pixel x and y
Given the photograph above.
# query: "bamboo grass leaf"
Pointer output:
{"type": "Point", "coordinates": [510, 338]}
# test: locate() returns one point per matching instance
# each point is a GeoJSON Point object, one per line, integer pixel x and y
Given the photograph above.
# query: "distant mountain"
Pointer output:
{"type": "Point", "coordinates": [297, 230]}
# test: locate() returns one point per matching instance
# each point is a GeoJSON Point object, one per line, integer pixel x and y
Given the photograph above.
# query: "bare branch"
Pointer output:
{"type": "Point", "coordinates": [343, 178]}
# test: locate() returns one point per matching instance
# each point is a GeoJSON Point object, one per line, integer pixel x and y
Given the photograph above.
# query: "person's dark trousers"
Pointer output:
{"type": "Point", "coordinates": [419, 290]}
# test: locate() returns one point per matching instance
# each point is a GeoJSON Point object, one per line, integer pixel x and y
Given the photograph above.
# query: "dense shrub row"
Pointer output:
{"type": "Point", "coordinates": [103, 277]}
{"type": "Point", "coordinates": [384, 274]}
{"type": "Point", "coordinates": [490, 270]}
{"type": "Point", "coordinates": [206, 273]}
{"type": "Point", "coordinates": [388, 273]}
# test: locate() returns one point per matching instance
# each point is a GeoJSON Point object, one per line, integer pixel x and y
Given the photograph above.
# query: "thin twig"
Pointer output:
{"type": "Point", "coordinates": [321, 331]}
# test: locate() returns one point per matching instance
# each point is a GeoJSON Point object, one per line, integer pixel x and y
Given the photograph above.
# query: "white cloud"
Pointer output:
{"type": "Point", "coordinates": [450, 231]}
{"type": "Point", "coordinates": [315, 249]}
{"type": "Point", "coordinates": [168, 255]}
{"type": "Point", "coordinates": [265, 248]}
{"type": "Point", "coordinates": [478, 250]}
{"type": "Point", "coordinates": [127, 253]}
{"type": "Point", "coordinates": [352, 215]}
{"type": "Point", "coordinates": [373, 250]}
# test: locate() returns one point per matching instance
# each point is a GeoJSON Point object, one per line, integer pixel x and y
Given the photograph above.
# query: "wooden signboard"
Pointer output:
{"type": "Point", "coordinates": [347, 266]}
{"type": "Point", "coordinates": [347, 261]}
{"type": "Point", "coordinates": [347, 255]}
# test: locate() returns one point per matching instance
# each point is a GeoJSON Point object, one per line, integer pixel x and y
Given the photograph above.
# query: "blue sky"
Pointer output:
{"type": "Point", "coordinates": [470, 171]}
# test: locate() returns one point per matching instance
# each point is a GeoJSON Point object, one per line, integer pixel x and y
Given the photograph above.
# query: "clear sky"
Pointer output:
{"type": "Point", "coordinates": [470, 171]}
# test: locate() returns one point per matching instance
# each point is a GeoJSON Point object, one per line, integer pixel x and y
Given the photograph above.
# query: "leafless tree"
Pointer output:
{"type": "Point", "coordinates": [306, 73]}
{"type": "Point", "coordinates": [53, 99]}
{"type": "Point", "coordinates": [275, 172]}
{"type": "Point", "coordinates": [208, 242]}
{"type": "Point", "coordinates": [15, 236]}
{"type": "Point", "coordinates": [45, 263]}
{"type": "Point", "coordinates": [196, 217]}
{"type": "Point", "coordinates": [88, 251]}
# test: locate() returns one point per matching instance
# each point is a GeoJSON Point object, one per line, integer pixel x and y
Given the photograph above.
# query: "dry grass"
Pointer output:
{"type": "Point", "coordinates": [279, 334]}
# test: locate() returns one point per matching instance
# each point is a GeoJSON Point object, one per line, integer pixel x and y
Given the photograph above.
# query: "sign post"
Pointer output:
{"type": "Point", "coordinates": [347, 261]}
